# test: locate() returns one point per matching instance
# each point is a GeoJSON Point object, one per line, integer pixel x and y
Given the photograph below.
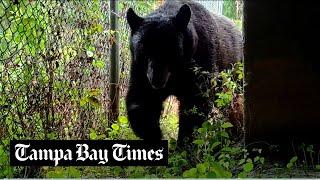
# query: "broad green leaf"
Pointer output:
{"type": "Point", "coordinates": [115, 127]}
{"type": "Point", "coordinates": [220, 171]}
{"type": "Point", "coordinates": [123, 120]}
{"type": "Point", "coordinates": [201, 168]}
{"type": "Point", "coordinates": [248, 167]}
{"type": "Point", "coordinates": [202, 130]}
{"type": "Point", "coordinates": [199, 142]}
{"type": "Point", "coordinates": [93, 135]}
{"type": "Point", "coordinates": [206, 125]}
{"type": "Point", "coordinates": [99, 28]}
{"type": "Point", "coordinates": [83, 101]}
{"type": "Point", "coordinates": [215, 144]}
{"type": "Point", "coordinates": [226, 125]}
{"type": "Point", "coordinates": [191, 173]}
{"type": "Point", "coordinates": [224, 134]}
{"type": "Point", "coordinates": [99, 64]}
{"type": "Point", "coordinates": [293, 159]}
{"type": "Point", "coordinates": [241, 161]}
{"type": "Point", "coordinates": [52, 135]}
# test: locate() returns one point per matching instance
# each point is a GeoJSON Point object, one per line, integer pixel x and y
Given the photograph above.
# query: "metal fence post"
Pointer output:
{"type": "Point", "coordinates": [114, 67]}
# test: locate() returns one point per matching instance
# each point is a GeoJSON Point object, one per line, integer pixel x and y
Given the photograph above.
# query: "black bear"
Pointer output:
{"type": "Point", "coordinates": [175, 51]}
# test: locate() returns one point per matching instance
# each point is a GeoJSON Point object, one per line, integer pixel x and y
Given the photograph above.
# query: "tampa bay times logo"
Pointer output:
{"type": "Point", "coordinates": [88, 153]}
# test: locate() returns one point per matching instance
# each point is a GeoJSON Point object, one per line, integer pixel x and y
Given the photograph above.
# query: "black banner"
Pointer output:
{"type": "Point", "coordinates": [88, 153]}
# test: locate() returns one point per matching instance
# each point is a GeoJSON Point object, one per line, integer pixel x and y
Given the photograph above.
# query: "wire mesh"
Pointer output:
{"type": "Point", "coordinates": [54, 67]}
{"type": "Point", "coordinates": [213, 6]}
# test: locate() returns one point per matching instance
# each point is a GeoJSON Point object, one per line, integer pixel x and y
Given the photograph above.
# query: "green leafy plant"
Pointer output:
{"type": "Point", "coordinates": [218, 156]}
{"type": "Point", "coordinates": [231, 83]}
{"type": "Point", "coordinates": [292, 162]}
{"type": "Point", "coordinates": [59, 172]}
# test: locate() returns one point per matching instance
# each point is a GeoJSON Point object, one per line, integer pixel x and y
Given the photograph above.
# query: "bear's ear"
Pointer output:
{"type": "Point", "coordinates": [183, 17]}
{"type": "Point", "coordinates": [133, 20]}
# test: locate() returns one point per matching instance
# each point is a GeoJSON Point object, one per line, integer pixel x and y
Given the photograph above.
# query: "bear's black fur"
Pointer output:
{"type": "Point", "coordinates": [175, 50]}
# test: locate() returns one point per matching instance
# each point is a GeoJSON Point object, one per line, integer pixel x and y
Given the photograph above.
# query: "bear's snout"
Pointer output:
{"type": "Point", "coordinates": [157, 75]}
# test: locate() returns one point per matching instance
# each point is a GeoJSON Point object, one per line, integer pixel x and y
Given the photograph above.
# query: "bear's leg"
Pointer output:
{"type": "Point", "coordinates": [144, 114]}
{"type": "Point", "coordinates": [193, 112]}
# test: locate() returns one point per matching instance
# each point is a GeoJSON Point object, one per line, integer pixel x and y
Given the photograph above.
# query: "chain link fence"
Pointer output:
{"type": "Point", "coordinates": [54, 68]}
{"type": "Point", "coordinates": [215, 7]}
